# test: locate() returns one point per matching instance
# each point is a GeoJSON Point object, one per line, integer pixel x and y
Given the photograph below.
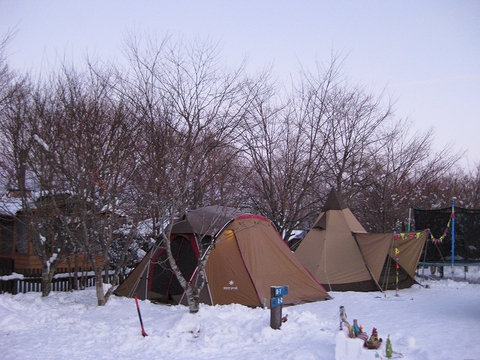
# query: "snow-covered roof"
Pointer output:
{"type": "Point", "coordinates": [10, 206]}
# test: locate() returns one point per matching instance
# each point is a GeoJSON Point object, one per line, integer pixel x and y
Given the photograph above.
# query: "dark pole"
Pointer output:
{"type": "Point", "coordinates": [140, 316]}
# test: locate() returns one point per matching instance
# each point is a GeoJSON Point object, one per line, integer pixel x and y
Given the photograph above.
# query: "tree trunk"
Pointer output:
{"type": "Point", "coordinates": [99, 288]}
{"type": "Point", "coordinates": [193, 299]}
{"type": "Point", "coordinates": [47, 277]}
{"type": "Point", "coordinates": [196, 287]}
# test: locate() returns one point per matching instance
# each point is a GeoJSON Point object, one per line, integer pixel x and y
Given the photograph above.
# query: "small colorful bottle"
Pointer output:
{"type": "Point", "coordinates": [388, 348]}
{"type": "Point", "coordinates": [356, 328]}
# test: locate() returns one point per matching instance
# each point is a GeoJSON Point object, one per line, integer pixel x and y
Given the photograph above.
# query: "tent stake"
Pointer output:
{"type": "Point", "coordinates": [140, 316]}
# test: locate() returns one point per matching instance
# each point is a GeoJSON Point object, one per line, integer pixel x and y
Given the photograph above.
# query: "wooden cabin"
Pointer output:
{"type": "Point", "coordinates": [15, 241]}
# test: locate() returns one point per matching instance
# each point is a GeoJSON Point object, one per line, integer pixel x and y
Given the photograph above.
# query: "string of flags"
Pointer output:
{"type": "Point", "coordinates": [407, 236]}
{"type": "Point", "coordinates": [445, 232]}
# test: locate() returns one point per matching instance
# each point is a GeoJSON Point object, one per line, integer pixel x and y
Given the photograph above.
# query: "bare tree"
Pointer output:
{"type": "Point", "coordinates": [282, 161]}
{"type": "Point", "coordinates": [6, 73]}
{"type": "Point", "coordinates": [325, 137]}
{"type": "Point", "coordinates": [16, 132]}
{"type": "Point", "coordinates": [189, 109]}
{"type": "Point", "coordinates": [15, 143]}
{"type": "Point", "coordinates": [401, 171]}
{"type": "Point", "coordinates": [468, 194]}
{"type": "Point", "coordinates": [48, 207]}
{"type": "Point", "coordinates": [6, 89]}
{"type": "Point", "coordinates": [23, 113]}
{"type": "Point", "coordinates": [95, 162]}
{"type": "Point", "coordinates": [352, 136]}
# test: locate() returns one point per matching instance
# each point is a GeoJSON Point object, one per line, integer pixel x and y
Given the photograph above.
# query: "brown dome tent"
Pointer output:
{"type": "Point", "coordinates": [248, 256]}
{"type": "Point", "coordinates": [344, 257]}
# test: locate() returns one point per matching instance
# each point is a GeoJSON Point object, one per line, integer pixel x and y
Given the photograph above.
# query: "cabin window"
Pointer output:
{"type": "Point", "coordinates": [6, 236]}
{"type": "Point", "coordinates": [21, 239]}
{"type": "Point", "coordinates": [13, 236]}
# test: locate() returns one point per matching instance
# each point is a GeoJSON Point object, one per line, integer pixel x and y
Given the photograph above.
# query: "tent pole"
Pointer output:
{"type": "Point", "coordinates": [425, 254]}
{"type": "Point", "coordinates": [409, 217]}
{"type": "Point", "coordinates": [453, 235]}
{"type": "Point", "coordinates": [147, 277]}
{"type": "Point", "coordinates": [395, 249]}
{"type": "Point", "coordinates": [151, 254]}
{"type": "Point", "coordinates": [366, 264]}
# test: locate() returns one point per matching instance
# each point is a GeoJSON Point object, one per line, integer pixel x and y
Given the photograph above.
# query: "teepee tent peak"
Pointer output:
{"type": "Point", "coordinates": [334, 202]}
{"type": "Point", "coordinates": [334, 206]}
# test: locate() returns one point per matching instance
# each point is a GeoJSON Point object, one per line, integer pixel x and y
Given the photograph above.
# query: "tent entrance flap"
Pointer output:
{"type": "Point", "coordinates": [163, 284]}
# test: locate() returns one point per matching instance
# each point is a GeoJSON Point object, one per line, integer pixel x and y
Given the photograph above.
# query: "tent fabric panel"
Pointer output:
{"type": "Point", "coordinates": [321, 222]}
{"type": "Point", "coordinates": [331, 255]}
{"type": "Point", "coordinates": [227, 276]}
{"type": "Point", "coordinates": [310, 250]}
{"type": "Point", "coordinates": [251, 216]}
{"type": "Point", "coordinates": [375, 248]}
{"type": "Point", "coordinates": [341, 261]}
{"type": "Point", "coordinates": [389, 280]}
{"type": "Point", "coordinates": [317, 221]}
{"type": "Point", "coordinates": [410, 250]}
{"type": "Point", "coordinates": [135, 283]}
{"type": "Point", "coordinates": [182, 227]}
{"type": "Point", "coordinates": [257, 238]}
{"type": "Point", "coordinates": [210, 219]}
{"type": "Point", "coordinates": [159, 277]}
{"type": "Point", "coordinates": [363, 286]}
{"type": "Point", "coordinates": [352, 221]}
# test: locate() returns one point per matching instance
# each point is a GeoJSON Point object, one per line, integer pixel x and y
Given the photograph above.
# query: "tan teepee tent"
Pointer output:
{"type": "Point", "coordinates": [344, 257]}
{"type": "Point", "coordinates": [247, 258]}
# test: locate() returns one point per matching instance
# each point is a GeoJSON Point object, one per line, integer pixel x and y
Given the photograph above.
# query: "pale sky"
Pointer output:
{"type": "Point", "coordinates": [426, 54]}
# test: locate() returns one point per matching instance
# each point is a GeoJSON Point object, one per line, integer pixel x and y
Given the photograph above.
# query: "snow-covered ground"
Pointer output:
{"type": "Point", "coordinates": [439, 321]}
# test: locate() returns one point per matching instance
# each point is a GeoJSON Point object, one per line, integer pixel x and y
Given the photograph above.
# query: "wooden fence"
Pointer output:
{"type": "Point", "coordinates": [32, 281]}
